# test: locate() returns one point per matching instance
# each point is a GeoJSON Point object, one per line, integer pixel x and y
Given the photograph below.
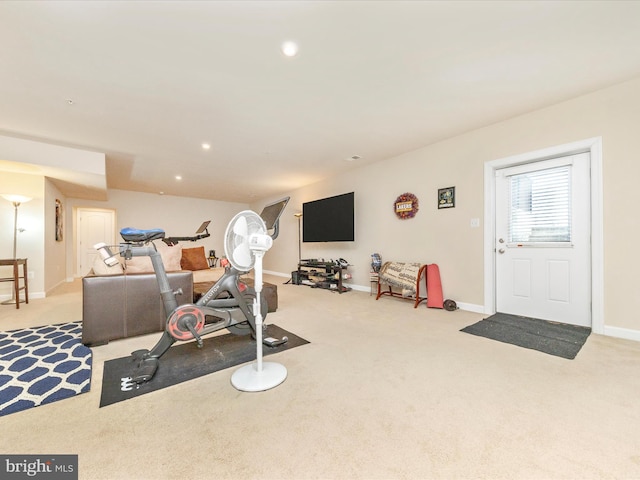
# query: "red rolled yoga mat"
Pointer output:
{"type": "Point", "coordinates": [434, 287]}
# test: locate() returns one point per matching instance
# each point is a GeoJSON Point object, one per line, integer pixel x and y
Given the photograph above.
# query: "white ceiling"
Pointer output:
{"type": "Point", "coordinates": [151, 81]}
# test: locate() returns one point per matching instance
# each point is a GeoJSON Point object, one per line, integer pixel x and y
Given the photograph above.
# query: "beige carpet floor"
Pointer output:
{"type": "Point", "coordinates": [383, 391]}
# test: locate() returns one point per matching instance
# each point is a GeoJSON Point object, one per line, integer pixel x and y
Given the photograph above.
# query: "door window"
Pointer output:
{"type": "Point", "coordinates": [540, 206]}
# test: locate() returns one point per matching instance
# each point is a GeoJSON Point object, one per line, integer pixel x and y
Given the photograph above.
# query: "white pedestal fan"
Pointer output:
{"type": "Point", "coordinates": [246, 241]}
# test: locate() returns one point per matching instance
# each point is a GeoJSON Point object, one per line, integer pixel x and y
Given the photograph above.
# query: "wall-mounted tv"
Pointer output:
{"type": "Point", "coordinates": [329, 219]}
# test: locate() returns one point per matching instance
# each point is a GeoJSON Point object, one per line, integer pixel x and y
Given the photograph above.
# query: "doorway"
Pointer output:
{"type": "Point", "coordinates": [543, 249]}
{"type": "Point", "coordinates": [531, 270]}
{"type": "Point", "coordinates": [93, 225]}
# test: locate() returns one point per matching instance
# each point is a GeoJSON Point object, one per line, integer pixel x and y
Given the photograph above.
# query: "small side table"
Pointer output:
{"type": "Point", "coordinates": [16, 280]}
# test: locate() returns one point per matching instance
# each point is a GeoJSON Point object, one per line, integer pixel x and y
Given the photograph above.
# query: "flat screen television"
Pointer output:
{"type": "Point", "coordinates": [329, 219]}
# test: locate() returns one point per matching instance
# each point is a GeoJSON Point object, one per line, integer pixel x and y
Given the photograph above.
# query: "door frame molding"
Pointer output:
{"type": "Point", "coordinates": [594, 147]}
{"type": "Point", "coordinates": [76, 232]}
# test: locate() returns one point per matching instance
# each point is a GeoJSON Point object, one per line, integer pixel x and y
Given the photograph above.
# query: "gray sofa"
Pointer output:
{"type": "Point", "coordinates": [126, 305]}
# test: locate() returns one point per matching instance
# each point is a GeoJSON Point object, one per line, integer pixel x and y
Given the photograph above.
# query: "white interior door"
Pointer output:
{"type": "Point", "coordinates": [543, 246]}
{"type": "Point", "coordinates": [93, 226]}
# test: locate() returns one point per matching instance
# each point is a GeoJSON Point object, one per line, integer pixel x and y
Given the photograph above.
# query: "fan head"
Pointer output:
{"type": "Point", "coordinates": [244, 233]}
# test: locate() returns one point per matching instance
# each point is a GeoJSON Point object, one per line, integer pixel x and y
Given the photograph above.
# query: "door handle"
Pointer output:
{"type": "Point", "coordinates": [501, 250]}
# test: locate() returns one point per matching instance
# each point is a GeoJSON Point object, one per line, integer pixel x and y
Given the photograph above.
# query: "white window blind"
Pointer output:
{"type": "Point", "coordinates": [540, 209]}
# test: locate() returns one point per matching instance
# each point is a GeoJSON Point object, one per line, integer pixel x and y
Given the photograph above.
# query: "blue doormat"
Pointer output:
{"type": "Point", "coordinates": [42, 365]}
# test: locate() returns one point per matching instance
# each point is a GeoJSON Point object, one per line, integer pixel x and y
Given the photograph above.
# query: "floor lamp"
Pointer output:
{"type": "Point", "coordinates": [16, 200]}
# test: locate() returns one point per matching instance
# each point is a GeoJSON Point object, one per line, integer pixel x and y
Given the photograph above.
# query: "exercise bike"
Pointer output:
{"type": "Point", "coordinates": [229, 303]}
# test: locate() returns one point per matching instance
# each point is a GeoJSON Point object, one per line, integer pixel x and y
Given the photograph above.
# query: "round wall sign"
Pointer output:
{"type": "Point", "coordinates": [406, 206]}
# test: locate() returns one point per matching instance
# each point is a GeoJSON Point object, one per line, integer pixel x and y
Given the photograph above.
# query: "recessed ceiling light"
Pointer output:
{"type": "Point", "coordinates": [70, 101]}
{"type": "Point", "coordinates": [290, 49]}
{"type": "Point", "coordinates": [353, 157]}
{"type": "Point", "coordinates": [206, 146]}
{"type": "Point", "coordinates": [178, 177]}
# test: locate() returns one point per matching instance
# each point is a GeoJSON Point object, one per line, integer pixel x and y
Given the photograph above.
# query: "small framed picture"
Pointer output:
{"type": "Point", "coordinates": [447, 197]}
{"type": "Point", "coordinates": [59, 225]}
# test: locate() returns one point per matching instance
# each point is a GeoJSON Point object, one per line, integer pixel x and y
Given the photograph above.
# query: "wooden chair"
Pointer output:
{"type": "Point", "coordinates": [15, 262]}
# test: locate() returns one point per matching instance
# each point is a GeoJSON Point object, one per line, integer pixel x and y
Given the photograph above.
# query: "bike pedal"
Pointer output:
{"type": "Point", "coordinates": [145, 370]}
{"type": "Point", "coordinates": [139, 354]}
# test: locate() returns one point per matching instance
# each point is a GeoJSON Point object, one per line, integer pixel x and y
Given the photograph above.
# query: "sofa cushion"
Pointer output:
{"type": "Point", "coordinates": [101, 268]}
{"type": "Point", "coordinates": [170, 255]}
{"type": "Point", "coordinates": [194, 259]}
{"type": "Point", "coordinates": [208, 275]}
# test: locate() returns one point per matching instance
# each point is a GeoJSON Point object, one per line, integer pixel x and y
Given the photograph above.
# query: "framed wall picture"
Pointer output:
{"type": "Point", "coordinates": [59, 226]}
{"type": "Point", "coordinates": [447, 197]}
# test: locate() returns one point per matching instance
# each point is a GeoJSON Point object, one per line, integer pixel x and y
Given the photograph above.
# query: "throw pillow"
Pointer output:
{"type": "Point", "coordinates": [138, 265]}
{"type": "Point", "coordinates": [100, 268]}
{"type": "Point", "coordinates": [194, 259]}
{"type": "Point", "coordinates": [170, 255]}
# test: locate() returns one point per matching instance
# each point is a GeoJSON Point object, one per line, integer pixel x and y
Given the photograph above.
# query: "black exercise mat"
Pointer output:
{"type": "Point", "coordinates": [559, 339]}
{"type": "Point", "coordinates": [185, 361]}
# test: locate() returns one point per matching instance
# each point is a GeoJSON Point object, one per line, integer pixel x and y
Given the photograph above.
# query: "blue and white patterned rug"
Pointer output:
{"type": "Point", "coordinates": [41, 365]}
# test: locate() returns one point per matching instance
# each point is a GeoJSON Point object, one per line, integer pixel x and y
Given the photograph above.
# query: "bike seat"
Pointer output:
{"type": "Point", "coordinates": [136, 235]}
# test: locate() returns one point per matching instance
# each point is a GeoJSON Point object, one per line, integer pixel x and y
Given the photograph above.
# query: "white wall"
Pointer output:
{"type": "Point", "coordinates": [52, 262]}
{"type": "Point", "coordinates": [54, 251]}
{"type": "Point", "coordinates": [445, 237]}
{"type": "Point", "coordinates": [437, 236]}
{"type": "Point", "coordinates": [31, 218]}
{"type": "Point", "coordinates": [178, 216]}
{"type": "Point", "coordinates": [25, 166]}
{"type": "Point", "coordinates": [80, 168]}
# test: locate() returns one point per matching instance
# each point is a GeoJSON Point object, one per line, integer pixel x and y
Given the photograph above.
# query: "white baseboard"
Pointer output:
{"type": "Point", "coordinates": [359, 288]}
{"type": "Point", "coordinates": [470, 307]}
{"type": "Point", "coordinates": [32, 296]}
{"type": "Point", "coordinates": [617, 332]}
{"type": "Point", "coordinates": [625, 333]}
{"type": "Point", "coordinates": [61, 282]}
{"type": "Point", "coordinates": [367, 289]}
{"type": "Point", "coordinates": [277, 274]}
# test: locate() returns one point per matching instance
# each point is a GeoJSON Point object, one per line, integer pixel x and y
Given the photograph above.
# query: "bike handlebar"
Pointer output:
{"type": "Point", "coordinates": [173, 240]}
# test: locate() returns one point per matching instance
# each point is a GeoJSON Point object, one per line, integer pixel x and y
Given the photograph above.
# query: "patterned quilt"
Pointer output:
{"type": "Point", "coordinates": [401, 275]}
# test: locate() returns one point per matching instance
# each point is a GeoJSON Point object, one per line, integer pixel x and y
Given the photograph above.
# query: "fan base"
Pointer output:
{"type": "Point", "coordinates": [249, 379]}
